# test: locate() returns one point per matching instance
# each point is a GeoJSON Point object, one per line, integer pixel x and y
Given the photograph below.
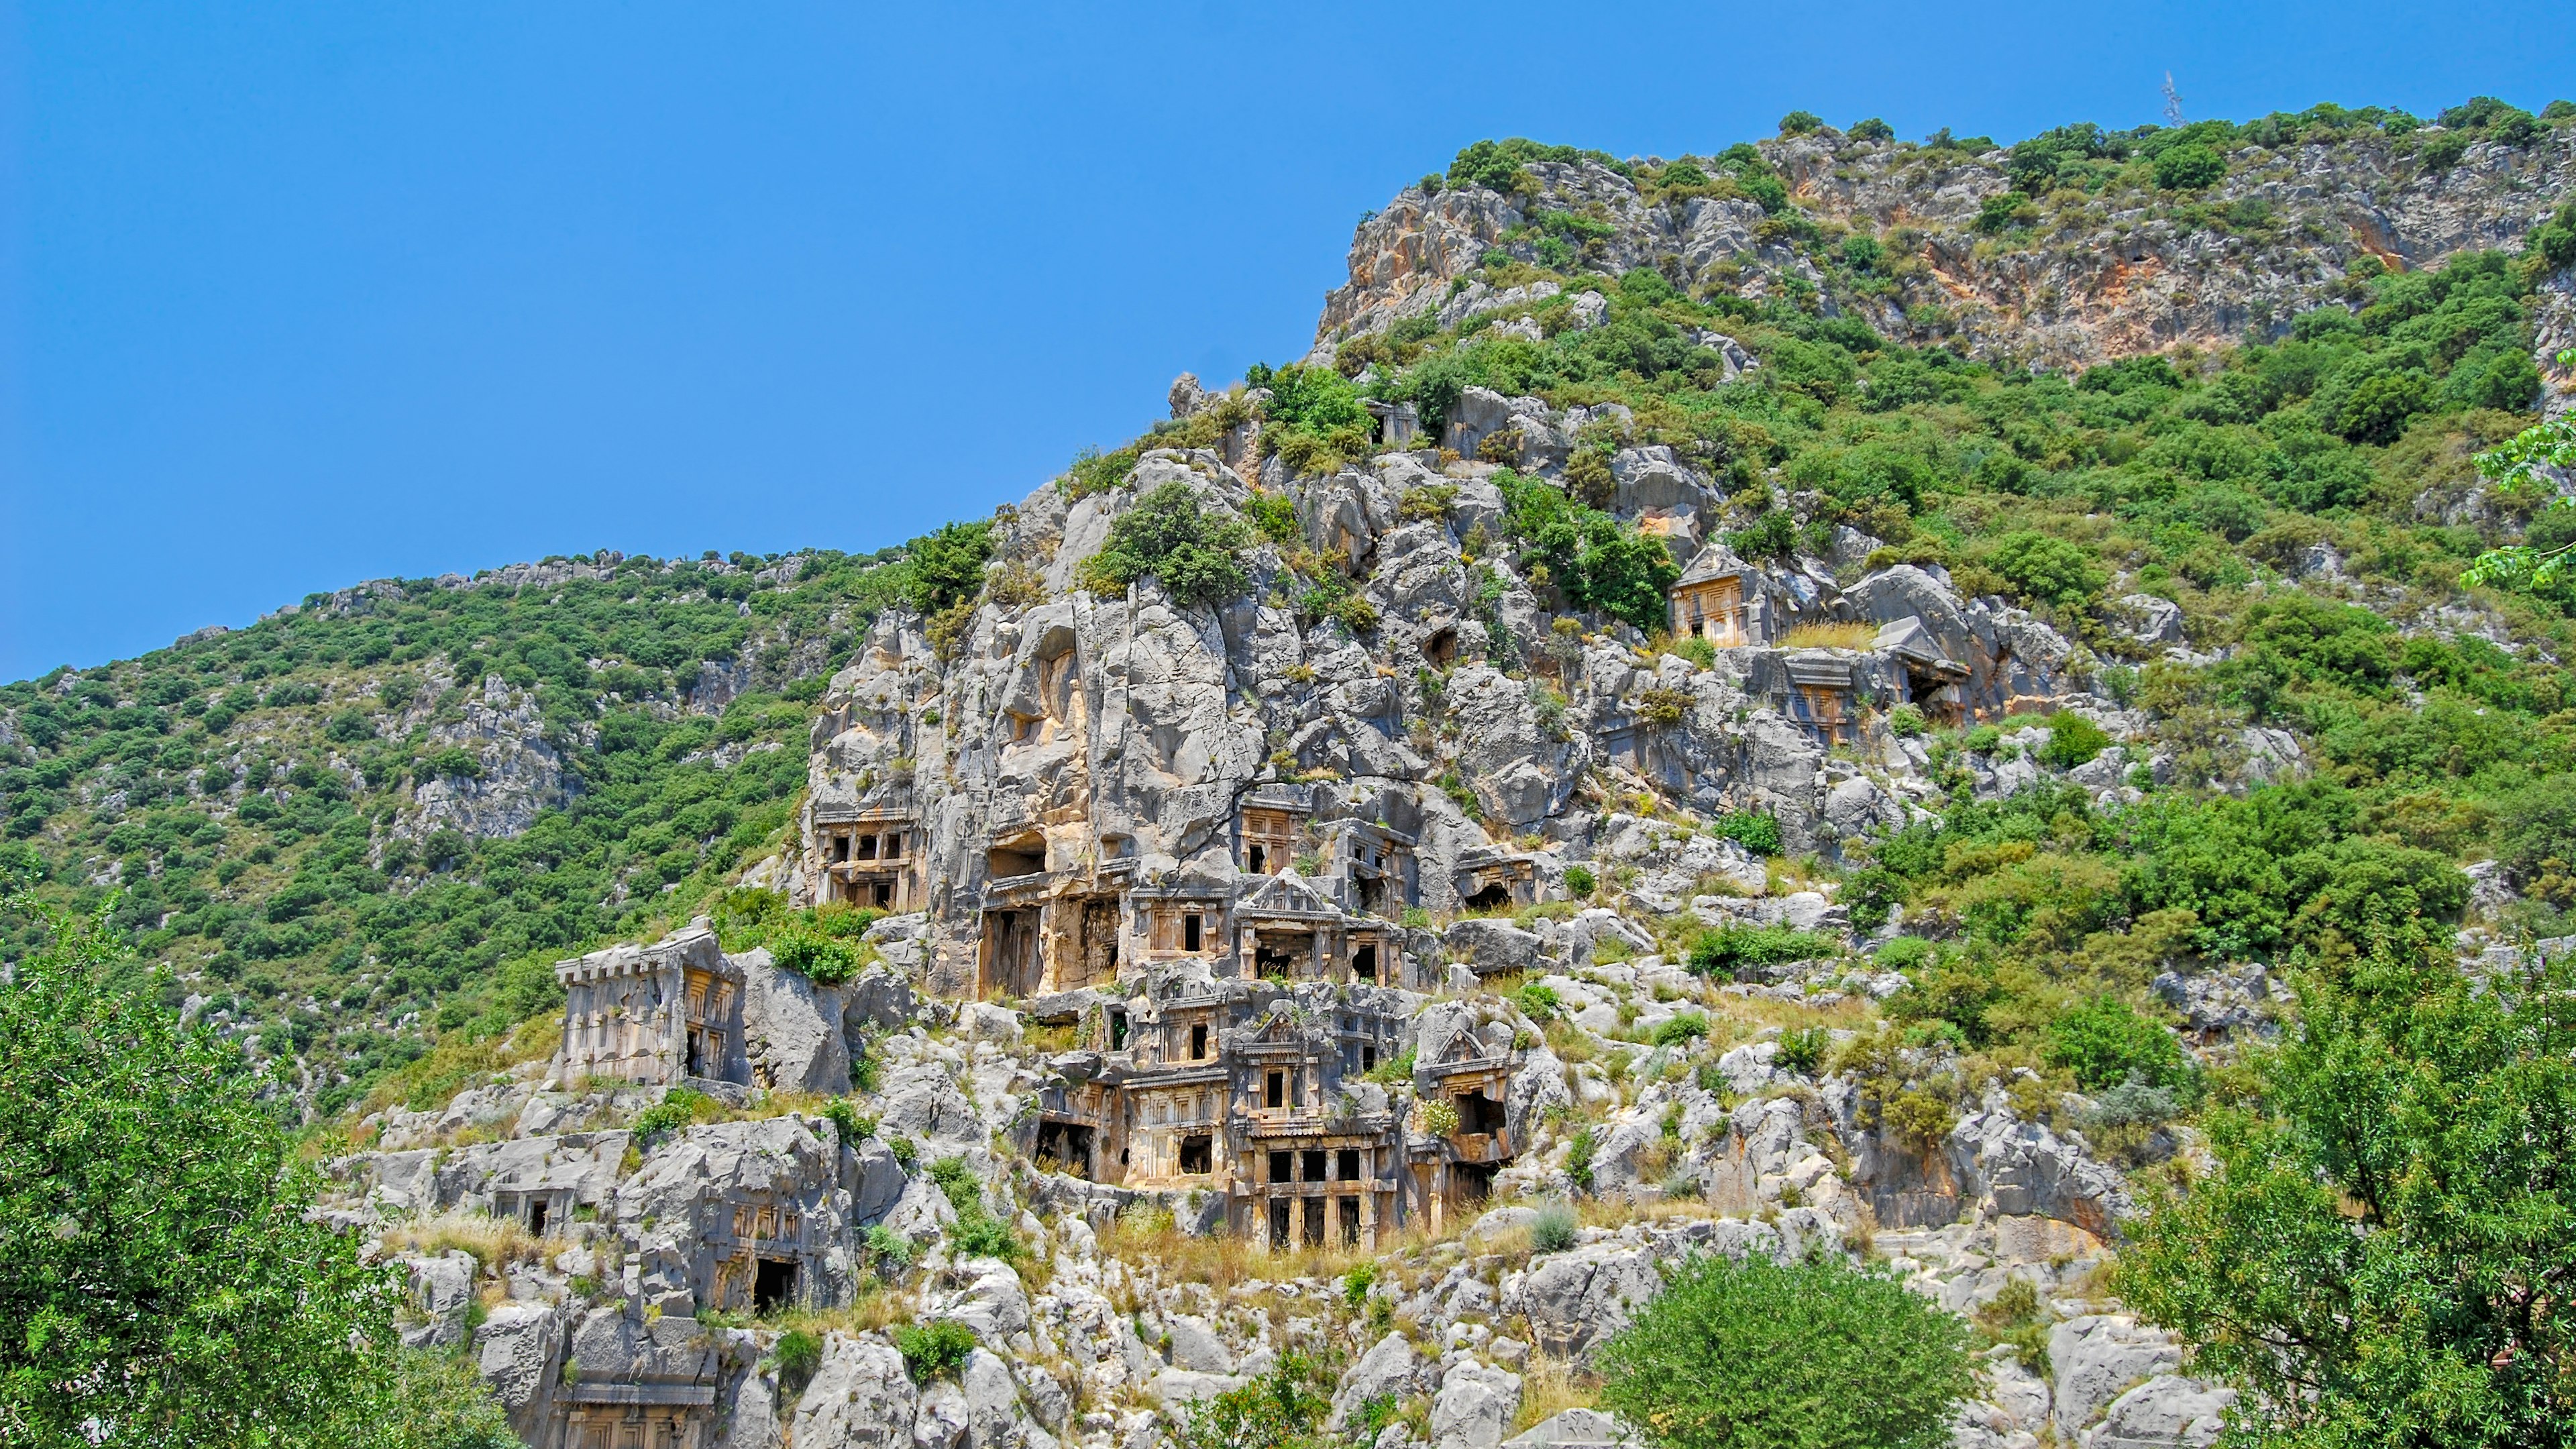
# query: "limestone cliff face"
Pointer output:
{"type": "Point", "coordinates": [2098, 278]}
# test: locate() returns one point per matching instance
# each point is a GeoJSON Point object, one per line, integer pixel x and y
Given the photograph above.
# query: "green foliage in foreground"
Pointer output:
{"type": "Point", "coordinates": [2383, 1253]}
{"type": "Point", "coordinates": [1809, 1355]}
{"type": "Point", "coordinates": [1282, 1409]}
{"type": "Point", "coordinates": [165, 1285]}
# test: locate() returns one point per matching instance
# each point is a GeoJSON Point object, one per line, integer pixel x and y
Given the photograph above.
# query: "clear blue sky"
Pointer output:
{"type": "Point", "coordinates": [296, 295]}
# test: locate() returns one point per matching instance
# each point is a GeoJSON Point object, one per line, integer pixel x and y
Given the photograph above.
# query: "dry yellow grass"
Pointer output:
{"type": "Point", "coordinates": [1222, 1262]}
{"type": "Point", "coordinates": [1550, 1386]}
{"type": "Point", "coordinates": [1830, 636]}
{"type": "Point", "coordinates": [493, 1241]}
{"type": "Point", "coordinates": [876, 1305]}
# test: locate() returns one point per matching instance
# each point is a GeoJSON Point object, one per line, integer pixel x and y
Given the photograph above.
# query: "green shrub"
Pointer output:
{"type": "Point", "coordinates": [1817, 1354]}
{"type": "Point", "coordinates": [1539, 1002]}
{"type": "Point", "coordinates": [1905, 953]}
{"type": "Point", "coordinates": [2047, 570]}
{"type": "Point", "coordinates": [1578, 1158]}
{"type": "Point", "coordinates": [1357, 1282]}
{"type": "Point", "coordinates": [933, 1350]}
{"type": "Point", "coordinates": [1906, 722]}
{"type": "Point", "coordinates": [1595, 560]}
{"type": "Point", "coordinates": [892, 1250]}
{"type": "Point", "coordinates": [1732, 949]}
{"type": "Point", "coordinates": [945, 567]}
{"type": "Point", "coordinates": [1555, 1229]}
{"type": "Point", "coordinates": [1756, 831]}
{"type": "Point", "coordinates": [821, 959]}
{"type": "Point", "coordinates": [1093, 471]}
{"type": "Point", "coordinates": [678, 1108]}
{"type": "Point", "coordinates": [1680, 1027]}
{"type": "Point", "coordinates": [1484, 163]}
{"type": "Point", "coordinates": [1282, 1409]}
{"type": "Point", "coordinates": [2189, 167]}
{"type": "Point", "coordinates": [1274, 515]}
{"type": "Point", "coordinates": [2104, 1041]}
{"type": "Point", "coordinates": [1799, 123]}
{"type": "Point", "coordinates": [1579, 881]}
{"type": "Point", "coordinates": [854, 1126]}
{"type": "Point", "coordinates": [797, 1355]}
{"type": "Point", "coordinates": [1802, 1053]}
{"type": "Point", "coordinates": [349, 726]}
{"type": "Point", "coordinates": [1170, 536]}
{"type": "Point", "coordinates": [2072, 740]}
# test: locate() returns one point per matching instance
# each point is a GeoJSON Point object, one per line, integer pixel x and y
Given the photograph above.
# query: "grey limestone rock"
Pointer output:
{"type": "Point", "coordinates": [860, 1397]}
{"type": "Point", "coordinates": [793, 1032]}
{"type": "Point", "coordinates": [2095, 1359]}
{"type": "Point", "coordinates": [1573, 1429]}
{"type": "Point", "coordinates": [441, 1288]}
{"type": "Point", "coordinates": [2165, 1412]}
{"type": "Point", "coordinates": [1475, 1407]}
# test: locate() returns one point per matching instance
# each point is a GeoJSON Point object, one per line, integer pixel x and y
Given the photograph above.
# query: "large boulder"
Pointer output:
{"type": "Point", "coordinates": [860, 1397]}
{"type": "Point", "coordinates": [2096, 1358]}
{"type": "Point", "coordinates": [791, 1029]}
{"type": "Point", "coordinates": [2165, 1412]}
{"type": "Point", "coordinates": [1475, 1407]}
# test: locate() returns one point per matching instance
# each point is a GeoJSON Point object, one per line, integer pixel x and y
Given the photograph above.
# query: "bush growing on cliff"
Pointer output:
{"type": "Point", "coordinates": [1171, 536]}
{"type": "Point", "coordinates": [1596, 561]}
{"type": "Point", "coordinates": [1816, 1354]}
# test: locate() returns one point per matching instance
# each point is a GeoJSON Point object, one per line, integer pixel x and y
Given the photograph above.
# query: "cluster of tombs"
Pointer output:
{"type": "Point", "coordinates": [1953, 674]}
{"type": "Point", "coordinates": [1273, 1095]}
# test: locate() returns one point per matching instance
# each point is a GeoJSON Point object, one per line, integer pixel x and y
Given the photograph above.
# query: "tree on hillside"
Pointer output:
{"type": "Point", "coordinates": [1810, 1355]}
{"type": "Point", "coordinates": [2385, 1251]}
{"type": "Point", "coordinates": [2514, 469]}
{"type": "Point", "coordinates": [164, 1281]}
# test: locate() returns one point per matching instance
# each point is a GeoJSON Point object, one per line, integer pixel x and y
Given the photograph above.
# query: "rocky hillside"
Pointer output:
{"type": "Point", "coordinates": [1812, 700]}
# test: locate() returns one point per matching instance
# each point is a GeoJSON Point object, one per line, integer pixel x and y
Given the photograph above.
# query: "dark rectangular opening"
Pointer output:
{"type": "Point", "coordinates": [1279, 1167]}
{"type": "Point", "coordinates": [1274, 1090]}
{"type": "Point", "coordinates": [773, 1285]}
{"type": "Point", "coordinates": [1479, 1113]}
{"type": "Point", "coordinates": [1198, 1042]}
{"type": "Point", "coordinates": [1198, 1153]}
{"type": "Point", "coordinates": [697, 1066]}
{"type": "Point", "coordinates": [1005, 862]}
{"type": "Point", "coordinates": [1278, 955]}
{"type": "Point", "coordinates": [536, 1217]}
{"type": "Point", "coordinates": [1364, 963]}
{"type": "Point", "coordinates": [1347, 1165]}
{"type": "Point", "coordinates": [867, 847]}
{"type": "Point", "coordinates": [1368, 1058]}
{"type": "Point", "coordinates": [1065, 1147]}
{"type": "Point", "coordinates": [1475, 1180]}
{"type": "Point", "coordinates": [1349, 1208]}
{"type": "Point", "coordinates": [1314, 1223]}
{"type": "Point", "coordinates": [840, 847]}
{"type": "Point", "coordinates": [1313, 1165]}
{"type": "Point", "coordinates": [1279, 1222]}
{"type": "Point", "coordinates": [1256, 858]}
{"type": "Point", "coordinates": [881, 893]}
{"type": "Point", "coordinates": [1117, 1031]}
{"type": "Point", "coordinates": [1190, 932]}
